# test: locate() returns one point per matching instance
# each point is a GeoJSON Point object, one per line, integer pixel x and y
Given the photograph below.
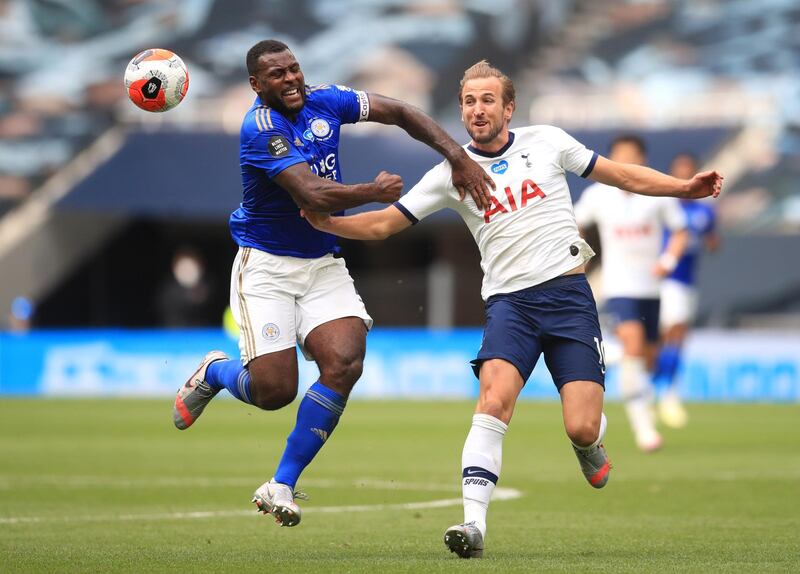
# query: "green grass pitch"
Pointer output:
{"type": "Point", "coordinates": [109, 485]}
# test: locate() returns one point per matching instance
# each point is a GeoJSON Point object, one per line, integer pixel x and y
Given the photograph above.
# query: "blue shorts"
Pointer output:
{"type": "Point", "coordinates": [557, 318]}
{"type": "Point", "coordinates": [645, 311]}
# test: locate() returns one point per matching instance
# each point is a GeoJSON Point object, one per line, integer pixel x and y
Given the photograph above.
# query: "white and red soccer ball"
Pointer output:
{"type": "Point", "coordinates": [156, 80]}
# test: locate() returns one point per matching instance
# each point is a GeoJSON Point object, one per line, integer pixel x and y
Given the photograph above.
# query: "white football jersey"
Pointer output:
{"type": "Point", "coordinates": [632, 235]}
{"type": "Point", "coordinates": [529, 234]}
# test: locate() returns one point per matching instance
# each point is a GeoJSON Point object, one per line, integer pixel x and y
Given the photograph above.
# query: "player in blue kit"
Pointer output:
{"type": "Point", "coordinates": [679, 297]}
{"type": "Point", "coordinates": [287, 288]}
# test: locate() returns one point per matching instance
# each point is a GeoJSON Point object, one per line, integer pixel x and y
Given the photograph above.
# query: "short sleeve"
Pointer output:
{"type": "Point", "coordinates": [573, 155]}
{"type": "Point", "coordinates": [429, 195]}
{"type": "Point", "coordinates": [585, 212]}
{"type": "Point", "coordinates": [672, 214]}
{"type": "Point", "coordinates": [271, 149]}
{"type": "Point", "coordinates": [353, 105]}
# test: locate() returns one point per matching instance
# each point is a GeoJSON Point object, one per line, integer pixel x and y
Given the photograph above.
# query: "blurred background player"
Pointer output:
{"type": "Point", "coordinates": [631, 231]}
{"type": "Point", "coordinates": [679, 297]}
{"type": "Point", "coordinates": [537, 298]}
{"type": "Point", "coordinates": [286, 286]}
{"type": "Point", "coordinates": [20, 316]}
{"type": "Point", "coordinates": [186, 296]}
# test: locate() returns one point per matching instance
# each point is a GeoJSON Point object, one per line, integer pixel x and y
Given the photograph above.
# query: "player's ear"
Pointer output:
{"type": "Point", "coordinates": [253, 84]}
{"type": "Point", "coordinates": [509, 111]}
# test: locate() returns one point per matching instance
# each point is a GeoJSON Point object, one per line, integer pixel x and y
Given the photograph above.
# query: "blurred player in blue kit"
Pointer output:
{"type": "Point", "coordinates": [537, 298]}
{"type": "Point", "coordinates": [679, 297]}
{"type": "Point", "coordinates": [287, 288]}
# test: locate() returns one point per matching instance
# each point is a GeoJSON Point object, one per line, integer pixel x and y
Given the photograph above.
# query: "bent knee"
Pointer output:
{"type": "Point", "coordinates": [343, 372]}
{"type": "Point", "coordinates": [583, 433]}
{"type": "Point", "coordinates": [497, 403]}
{"type": "Point", "coordinates": [272, 397]}
{"type": "Point", "coordinates": [492, 406]}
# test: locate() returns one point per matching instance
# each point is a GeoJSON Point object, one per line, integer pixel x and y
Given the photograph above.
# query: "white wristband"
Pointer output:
{"type": "Point", "coordinates": [668, 261]}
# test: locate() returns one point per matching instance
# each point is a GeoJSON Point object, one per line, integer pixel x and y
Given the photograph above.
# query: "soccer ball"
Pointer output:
{"type": "Point", "coordinates": [156, 80]}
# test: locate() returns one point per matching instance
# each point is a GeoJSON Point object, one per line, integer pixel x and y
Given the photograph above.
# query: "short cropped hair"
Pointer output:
{"type": "Point", "coordinates": [629, 139]}
{"type": "Point", "coordinates": [484, 69]}
{"type": "Point", "coordinates": [263, 47]}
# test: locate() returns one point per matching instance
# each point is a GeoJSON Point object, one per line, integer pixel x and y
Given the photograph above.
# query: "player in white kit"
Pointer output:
{"type": "Point", "coordinates": [631, 234]}
{"type": "Point", "coordinates": [537, 297]}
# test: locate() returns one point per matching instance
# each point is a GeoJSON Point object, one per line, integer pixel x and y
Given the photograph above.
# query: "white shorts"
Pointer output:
{"type": "Point", "coordinates": [678, 303]}
{"type": "Point", "coordinates": [278, 300]}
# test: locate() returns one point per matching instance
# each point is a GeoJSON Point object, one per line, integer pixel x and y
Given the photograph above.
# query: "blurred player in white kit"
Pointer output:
{"type": "Point", "coordinates": [631, 233]}
{"type": "Point", "coordinates": [679, 297]}
{"type": "Point", "coordinates": [537, 297]}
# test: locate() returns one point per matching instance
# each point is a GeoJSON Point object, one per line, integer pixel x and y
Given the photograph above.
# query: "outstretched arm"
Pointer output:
{"type": "Point", "coordinates": [378, 224]}
{"type": "Point", "coordinates": [468, 176]}
{"type": "Point", "coordinates": [647, 181]}
{"type": "Point", "coordinates": [314, 193]}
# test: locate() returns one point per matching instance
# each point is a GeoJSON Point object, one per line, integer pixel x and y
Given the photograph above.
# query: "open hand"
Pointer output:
{"type": "Point", "coordinates": [469, 177]}
{"type": "Point", "coordinates": [704, 184]}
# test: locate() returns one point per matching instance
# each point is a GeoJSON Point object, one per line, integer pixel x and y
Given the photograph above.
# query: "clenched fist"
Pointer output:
{"type": "Point", "coordinates": [388, 187]}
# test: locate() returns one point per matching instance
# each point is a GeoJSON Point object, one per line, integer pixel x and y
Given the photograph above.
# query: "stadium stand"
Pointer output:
{"type": "Point", "coordinates": [715, 78]}
{"type": "Point", "coordinates": [731, 64]}
{"type": "Point", "coordinates": [52, 108]}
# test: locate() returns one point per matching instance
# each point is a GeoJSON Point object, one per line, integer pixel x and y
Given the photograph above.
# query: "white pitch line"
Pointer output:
{"type": "Point", "coordinates": [500, 493]}
{"type": "Point", "coordinates": [10, 482]}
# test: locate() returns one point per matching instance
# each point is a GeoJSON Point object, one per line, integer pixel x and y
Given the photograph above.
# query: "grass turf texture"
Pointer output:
{"type": "Point", "coordinates": [724, 495]}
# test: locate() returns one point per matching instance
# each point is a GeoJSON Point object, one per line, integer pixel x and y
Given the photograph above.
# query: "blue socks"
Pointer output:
{"type": "Point", "coordinates": [317, 416]}
{"type": "Point", "coordinates": [230, 375]}
{"type": "Point", "coordinates": [667, 366]}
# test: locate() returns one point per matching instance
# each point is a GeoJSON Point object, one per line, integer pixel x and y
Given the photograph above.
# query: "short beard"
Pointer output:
{"type": "Point", "coordinates": [495, 131]}
{"type": "Point", "coordinates": [278, 105]}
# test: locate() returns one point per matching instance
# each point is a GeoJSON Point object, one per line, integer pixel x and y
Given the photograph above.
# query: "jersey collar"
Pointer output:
{"type": "Point", "coordinates": [498, 153]}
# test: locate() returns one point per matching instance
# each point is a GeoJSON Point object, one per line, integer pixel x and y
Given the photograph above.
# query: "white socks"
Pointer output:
{"type": "Point", "coordinates": [637, 394]}
{"type": "Point", "coordinates": [481, 461]}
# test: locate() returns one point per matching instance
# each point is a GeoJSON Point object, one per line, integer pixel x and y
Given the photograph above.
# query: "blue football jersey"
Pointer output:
{"type": "Point", "coordinates": [268, 218]}
{"type": "Point", "coordinates": [700, 222]}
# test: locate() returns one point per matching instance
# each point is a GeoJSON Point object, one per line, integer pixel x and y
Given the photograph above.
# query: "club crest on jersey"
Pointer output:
{"type": "Point", "coordinates": [528, 190]}
{"type": "Point", "coordinates": [500, 166]}
{"type": "Point", "coordinates": [270, 332]}
{"type": "Point", "coordinates": [320, 128]}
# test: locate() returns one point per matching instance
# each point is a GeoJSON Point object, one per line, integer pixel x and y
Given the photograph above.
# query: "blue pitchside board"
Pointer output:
{"type": "Point", "coordinates": [400, 363]}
